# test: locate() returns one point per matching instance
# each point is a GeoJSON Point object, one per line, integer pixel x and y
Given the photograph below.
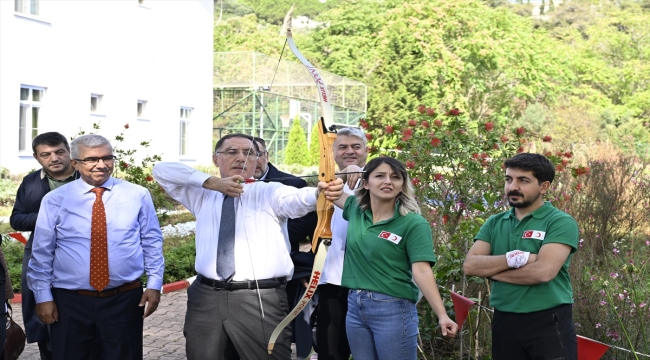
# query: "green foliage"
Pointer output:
{"type": "Point", "coordinates": [245, 34]}
{"type": "Point", "coordinates": [296, 151]}
{"type": "Point", "coordinates": [13, 252]}
{"type": "Point", "coordinates": [461, 54]}
{"type": "Point", "coordinates": [274, 11]}
{"type": "Point", "coordinates": [8, 189]}
{"type": "Point", "coordinates": [314, 147]}
{"type": "Point", "coordinates": [179, 260]}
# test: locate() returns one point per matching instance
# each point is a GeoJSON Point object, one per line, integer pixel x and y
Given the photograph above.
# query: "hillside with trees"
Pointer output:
{"type": "Point", "coordinates": [455, 86]}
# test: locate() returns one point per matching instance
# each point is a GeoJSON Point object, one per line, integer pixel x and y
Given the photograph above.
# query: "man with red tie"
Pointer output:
{"type": "Point", "coordinates": [526, 252]}
{"type": "Point", "coordinates": [93, 240]}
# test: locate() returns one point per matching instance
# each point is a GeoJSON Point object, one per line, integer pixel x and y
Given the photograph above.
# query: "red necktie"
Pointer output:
{"type": "Point", "coordinates": [98, 243]}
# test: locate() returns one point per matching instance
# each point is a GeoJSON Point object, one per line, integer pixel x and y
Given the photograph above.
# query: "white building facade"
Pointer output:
{"type": "Point", "coordinates": [66, 65]}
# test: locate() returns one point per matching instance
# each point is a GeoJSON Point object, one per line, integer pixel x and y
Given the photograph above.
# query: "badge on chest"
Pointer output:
{"type": "Point", "coordinates": [534, 234]}
{"type": "Point", "coordinates": [394, 238]}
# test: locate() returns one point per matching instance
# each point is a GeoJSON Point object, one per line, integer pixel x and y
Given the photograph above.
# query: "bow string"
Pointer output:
{"type": "Point", "coordinates": [322, 238]}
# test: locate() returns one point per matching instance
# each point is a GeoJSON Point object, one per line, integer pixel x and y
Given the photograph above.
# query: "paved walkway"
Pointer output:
{"type": "Point", "coordinates": [163, 330]}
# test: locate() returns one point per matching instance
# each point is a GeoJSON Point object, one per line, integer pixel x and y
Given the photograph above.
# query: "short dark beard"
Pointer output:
{"type": "Point", "coordinates": [525, 203]}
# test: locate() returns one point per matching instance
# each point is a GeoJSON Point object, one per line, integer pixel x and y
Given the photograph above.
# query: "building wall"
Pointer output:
{"type": "Point", "coordinates": [159, 51]}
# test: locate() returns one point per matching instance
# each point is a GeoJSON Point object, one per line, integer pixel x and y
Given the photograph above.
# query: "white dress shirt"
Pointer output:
{"type": "Point", "coordinates": [261, 239]}
{"type": "Point", "coordinates": [333, 267]}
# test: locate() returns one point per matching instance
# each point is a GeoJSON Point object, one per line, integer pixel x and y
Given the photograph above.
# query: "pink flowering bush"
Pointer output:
{"type": "Point", "coordinates": [455, 166]}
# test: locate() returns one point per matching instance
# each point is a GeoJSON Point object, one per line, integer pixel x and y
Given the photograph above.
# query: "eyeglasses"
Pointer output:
{"type": "Point", "coordinates": [247, 153]}
{"type": "Point", "coordinates": [94, 160]}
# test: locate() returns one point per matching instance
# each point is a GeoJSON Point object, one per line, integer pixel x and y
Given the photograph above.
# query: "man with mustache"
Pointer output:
{"type": "Point", "coordinates": [52, 152]}
{"type": "Point", "coordinates": [526, 252]}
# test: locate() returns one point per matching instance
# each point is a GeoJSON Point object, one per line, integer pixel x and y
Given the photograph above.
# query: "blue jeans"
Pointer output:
{"type": "Point", "coordinates": [381, 327]}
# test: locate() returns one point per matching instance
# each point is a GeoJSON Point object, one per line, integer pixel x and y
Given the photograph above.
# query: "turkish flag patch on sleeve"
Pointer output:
{"type": "Point", "coordinates": [534, 234]}
{"type": "Point", "coordinates": [394, 238]}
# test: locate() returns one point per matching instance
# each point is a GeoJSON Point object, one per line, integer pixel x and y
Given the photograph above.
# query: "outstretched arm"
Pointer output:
{"type": "Point", "coordinates": [425, 280]}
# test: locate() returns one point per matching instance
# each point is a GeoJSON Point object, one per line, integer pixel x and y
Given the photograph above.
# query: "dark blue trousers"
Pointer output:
{"type": "Point", "coordinates": [113, 322]}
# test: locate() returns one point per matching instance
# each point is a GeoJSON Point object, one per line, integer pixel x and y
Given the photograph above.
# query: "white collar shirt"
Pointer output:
{"type": "Point", "coordinates": [261, 239]}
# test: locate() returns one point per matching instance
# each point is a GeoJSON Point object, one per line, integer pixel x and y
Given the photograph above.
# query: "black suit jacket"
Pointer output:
{"type": "Point", "coordinates": [299, 228]}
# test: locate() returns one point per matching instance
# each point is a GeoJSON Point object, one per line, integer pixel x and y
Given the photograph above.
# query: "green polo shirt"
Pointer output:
{"type": "Point", "coordinates": [54, 183]}
{"type": "Point", "coordinates": [543, 226]}
{"type": "Point", "coordinates": [378, 257]}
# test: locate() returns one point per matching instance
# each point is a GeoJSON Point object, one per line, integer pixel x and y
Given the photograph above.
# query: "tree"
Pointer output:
{"type": "Point", "coordinates": [314, 148]}
{"type": "Point", "coordinates": [486, 61]}
{"type": "Point", "coordinates": [296, 151]}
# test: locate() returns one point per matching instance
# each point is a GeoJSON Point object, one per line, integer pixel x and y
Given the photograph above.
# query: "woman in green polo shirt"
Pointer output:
{"type": "Point", "coordinates": [388, 244]}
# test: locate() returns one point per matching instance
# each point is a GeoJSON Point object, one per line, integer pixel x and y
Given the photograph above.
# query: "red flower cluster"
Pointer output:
{"type": "Point", "coordinates": [521, 130]}
{"type": "Point", "coordinates": [438, 177]}
{"type": "Point", "coordinates": [453, 112]}
{"type": "Point", "coordinates": [363, 123]}
{"type": "Point", "coordinates": [431, 112]}
{"type": "Point", "coordinates": [579, 186]}
{"type": "Point", "coordinates": [582, 170]}
{"type": "Point", "coordinates": [415, 181]}
{"type": "Point", "coordinates": [504, 139]}
{"type": "Point", "coordinates": [368, 136]}
{"type": "Point", "coordinates": [412, 123]}
{"type": "Point", "coordinates": [422, 109]}
{"type": "Point", "coordinates": [547, 138]}
{"type": "Point", "coordinates": [149, 178]}
{"type": "Point", "coordinates": [425, 124]}
{"type": "Point", "coordinates": [389, 129]}
{"type": "Point", "coordinates": [407, 133]}
{"type": "Point", "coordinates": [489, 126]}
{"type": "Point", "coordinates": [437, 123]}
{"type": "Point", "coordinates": [435, 142]}
{"type": "Point", "coordinates": [124, 165]}
{"type": "Point", "coordinates": [410, 164]}
{"type": "Point", "coordinates": [126, 126]}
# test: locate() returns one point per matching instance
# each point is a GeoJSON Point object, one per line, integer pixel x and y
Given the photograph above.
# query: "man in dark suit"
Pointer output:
{"type": "Point", "coordinates": [52, 152]}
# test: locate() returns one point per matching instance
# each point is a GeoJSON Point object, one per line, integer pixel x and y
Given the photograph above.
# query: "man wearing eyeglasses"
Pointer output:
{"type": "Point", "coordinates": [93, 240]}
{"type": "Point", "coordinates": [242, 251]}
{"type": "Point", "coordinates": [52, 152]}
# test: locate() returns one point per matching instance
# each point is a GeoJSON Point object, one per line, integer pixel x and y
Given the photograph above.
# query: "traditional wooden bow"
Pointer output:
{"type": "Point", "coordinates": [322, 238]}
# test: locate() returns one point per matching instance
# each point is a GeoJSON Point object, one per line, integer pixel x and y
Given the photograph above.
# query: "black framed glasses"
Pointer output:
{"type": "Point", "coordinates": [231, 153]}
{"type": "Point", "coordinates": [94, 160]}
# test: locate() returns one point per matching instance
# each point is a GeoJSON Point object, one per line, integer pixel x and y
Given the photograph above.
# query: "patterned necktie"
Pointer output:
{"type": "Point", "coordinates": [98, 243]}
{"type": "Point", "coordinates": [226, 246]}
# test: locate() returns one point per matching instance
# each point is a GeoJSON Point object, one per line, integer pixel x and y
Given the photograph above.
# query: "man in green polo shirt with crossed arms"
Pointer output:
{"type": "Point", "coordinates": [526, 252]}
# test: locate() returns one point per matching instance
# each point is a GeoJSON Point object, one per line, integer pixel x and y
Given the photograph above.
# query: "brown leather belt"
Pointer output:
{"type": "Point", "coordinates": [111, 292]}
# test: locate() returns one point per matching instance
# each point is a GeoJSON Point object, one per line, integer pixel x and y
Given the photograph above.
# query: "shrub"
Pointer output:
{"type": "Point", "coordinates": [13, 251]}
